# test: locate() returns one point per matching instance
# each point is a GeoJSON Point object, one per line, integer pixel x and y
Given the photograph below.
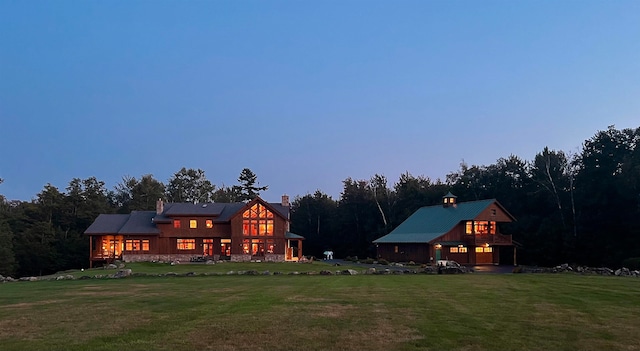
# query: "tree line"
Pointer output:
{"type": "Point", "coordinates": [581, 207]}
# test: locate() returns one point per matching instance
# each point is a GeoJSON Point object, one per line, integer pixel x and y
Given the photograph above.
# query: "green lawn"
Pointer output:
{"type": "Point", "coordinates": [313, 312]}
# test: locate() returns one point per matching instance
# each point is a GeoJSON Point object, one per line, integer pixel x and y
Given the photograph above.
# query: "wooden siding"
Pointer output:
{"type": "Point", "coordinates": [500, 216]}
{"type": "Point", "coordinates": [219, 230]}
{"type": "Point", "coordinates": [279, 230]}
{"type": "Point", "coordinates": [406, 252]}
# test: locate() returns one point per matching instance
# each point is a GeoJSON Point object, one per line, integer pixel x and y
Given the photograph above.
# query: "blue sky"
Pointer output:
{"type": "Point", "coordinates": [304, 93]}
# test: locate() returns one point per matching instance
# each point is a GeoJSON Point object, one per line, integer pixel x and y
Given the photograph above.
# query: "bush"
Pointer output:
{"type": "Point", "coordinates": [368, 261]}
{"type": "Point", "coordinates": [632, 263]}
{"type": "Point", "coordinates": [382, 261]}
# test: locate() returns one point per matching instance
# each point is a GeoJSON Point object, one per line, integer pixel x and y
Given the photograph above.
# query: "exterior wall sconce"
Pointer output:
{"type": "Point", "coordinates": [438, 246]}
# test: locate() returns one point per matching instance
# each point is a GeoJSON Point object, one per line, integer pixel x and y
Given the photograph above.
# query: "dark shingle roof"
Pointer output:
{"type": "Point", "coordinates": [428, 223]}
{"type": "Point", "coordinates": [107, 224]}
{"type": "Point", "coordinates": [189, 209]}
{"type": "Point", "coordinates": [140, 222]}
{"type": "Point", "coordinates": [137, 222]}
{"type": "Point", "coordinates": [143, 222]}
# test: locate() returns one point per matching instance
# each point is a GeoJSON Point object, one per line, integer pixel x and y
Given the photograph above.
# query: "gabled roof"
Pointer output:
{"type": "Point", "coordinates": [221, 212]}
{"type": "Point", "coordinates": [137, 222]}
{"type": "Point", "coordinates": [428, 223]}
{"type": "Point", "coordinates": [140, 222]}
{"type": "Point", "coordinates": [144, 222]}
{"type": "Point", "coordinates": [107, 224]}
{"type": "Point", "coordinates": [282, 211]}
{"type": "Point", "coordinates": [189, 209]}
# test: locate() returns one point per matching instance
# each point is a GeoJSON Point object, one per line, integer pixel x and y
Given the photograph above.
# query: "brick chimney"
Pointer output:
{"type": "Point", "coordinates": [159, 206]}
{"type": "Point", "coordinates": [285, 200]}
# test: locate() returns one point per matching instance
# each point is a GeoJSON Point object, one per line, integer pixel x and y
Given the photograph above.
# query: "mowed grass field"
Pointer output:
{"type": "Point", "coordinates": [313, 312]}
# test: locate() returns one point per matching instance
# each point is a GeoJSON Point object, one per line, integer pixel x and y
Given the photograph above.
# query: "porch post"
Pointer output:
{"type": "Point", "coordinates": [90, 251]}
{"type": "Point", "coordinates": [299, 248]}
{"type": "Point", "coordinates": [515, 263]}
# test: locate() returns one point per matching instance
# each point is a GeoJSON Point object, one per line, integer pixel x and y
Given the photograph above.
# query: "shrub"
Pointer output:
{"type": "Point", "coordinates": [382, 261]}
{"type": "Point", "coordinates": [368, 261]}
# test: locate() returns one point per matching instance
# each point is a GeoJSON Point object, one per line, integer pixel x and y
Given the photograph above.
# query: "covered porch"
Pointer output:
{"type": "Point", "coordinates": [293, 247]}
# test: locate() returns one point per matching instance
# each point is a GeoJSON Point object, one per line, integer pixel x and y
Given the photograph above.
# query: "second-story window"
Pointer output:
{"type": "Point", "coordinates": [209, 224]}
{"type": "Point", "coordinates": [176, 223]}
{"type": "Point", "coordinates": [193, 224]}
{"type": "Point", "coordinates": [257, 220]}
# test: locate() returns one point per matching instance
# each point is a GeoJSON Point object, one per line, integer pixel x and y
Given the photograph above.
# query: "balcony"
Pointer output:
{"type": "Point", "coordinates": [491, 239]}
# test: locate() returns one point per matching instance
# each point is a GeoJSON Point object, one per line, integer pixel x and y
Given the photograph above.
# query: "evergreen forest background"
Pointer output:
{"type": "Point", "coordinates": [581, 207]}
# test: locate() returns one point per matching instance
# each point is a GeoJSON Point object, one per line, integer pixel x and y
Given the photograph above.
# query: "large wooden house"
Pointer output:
{"type": "Point", "coordinates": [256, 230]}
{"type": "Point", "coordinates": [466, 232]}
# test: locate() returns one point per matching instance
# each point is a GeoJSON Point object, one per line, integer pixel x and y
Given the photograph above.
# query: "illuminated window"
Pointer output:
{"type": "Point", "coordinates": [186, 244]}
{"type": "Point", "coordinates": [257, 221]}
{"type": "Point", "coordinates": [488, 249]}
{"type": "Point", "coordinates": [176, 223]}
{"type": "Point", "coordinates": [479, 249]}
{"type": "Point", "coordinates": [270, 246]}
{"type": "Point", "coordinates": [453, 249]}
{"type": "Point", "coordinates": [395, 249]}
{"type": "Point", "coordinates": [462, 249]}
{"type": "Point", "coordinates": [193, 224]}
{"type": "Point", "coordinates": [136, 245]}
{"type": "Point", "coordinates": [245, 246]}
{"type": "Point", "coordinates": [209, 223]}
{"type": "Point", "coordinates": [468, 228]}
{"type": "Point", "coordinates": [492, 227]}
{"type": "Point", "coordinates": [481, 227]}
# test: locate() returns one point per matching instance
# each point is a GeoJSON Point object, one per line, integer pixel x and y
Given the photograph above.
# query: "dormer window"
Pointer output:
{"type": "Point", "coordinates": [449, 200]}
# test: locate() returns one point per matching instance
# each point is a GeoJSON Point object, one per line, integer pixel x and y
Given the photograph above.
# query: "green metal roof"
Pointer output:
{"type": "Point", "coordinates": [289, 235]}
{"type": "Point", "coordinates": [428, 223]}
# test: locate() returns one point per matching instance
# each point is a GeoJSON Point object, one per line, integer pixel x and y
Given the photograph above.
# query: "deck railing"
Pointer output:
{"type": "Point", "coordinates": [491, 239]}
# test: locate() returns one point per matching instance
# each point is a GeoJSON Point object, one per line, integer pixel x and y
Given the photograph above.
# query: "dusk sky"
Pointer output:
{"type": "Point", "coordinates": [304, 93]}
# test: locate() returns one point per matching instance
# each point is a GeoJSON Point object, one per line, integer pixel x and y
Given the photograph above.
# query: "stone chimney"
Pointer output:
{"type": "Point", "coordinates": [159, 206]}
{"type": "Point", "coordinates": [285, 200]}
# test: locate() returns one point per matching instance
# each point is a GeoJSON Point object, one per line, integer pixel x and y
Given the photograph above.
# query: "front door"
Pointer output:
{"type": "Point", "coordinates": [438, 254]}
{"type": "Point", "coordinates": [207, 247]}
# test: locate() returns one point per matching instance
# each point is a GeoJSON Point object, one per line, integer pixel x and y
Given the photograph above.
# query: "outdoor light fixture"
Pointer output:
{"type": "Point", "coordinates": [438, 246]}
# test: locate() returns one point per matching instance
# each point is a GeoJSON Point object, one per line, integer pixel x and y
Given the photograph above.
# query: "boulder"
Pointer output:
{"type": "Point", "coordinates": [371, 270]}
{"type": "Point", "coordinates": [123, 273]}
